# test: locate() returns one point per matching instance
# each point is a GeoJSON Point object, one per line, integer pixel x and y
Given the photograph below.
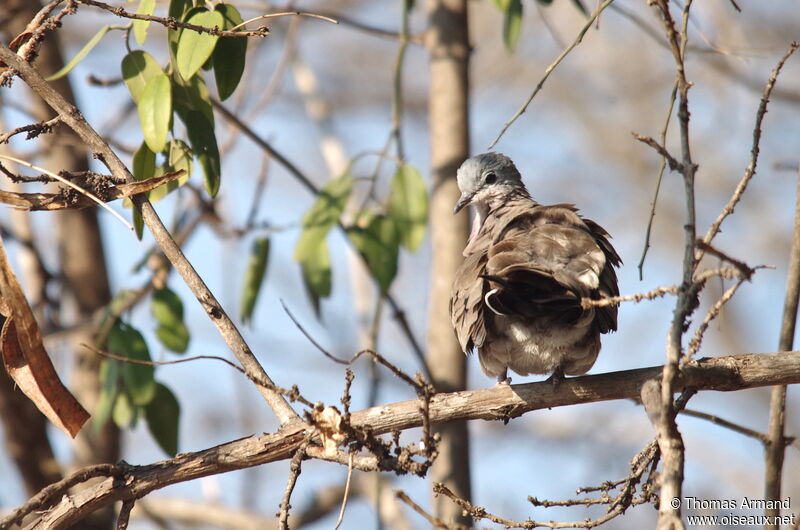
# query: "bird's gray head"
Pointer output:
{"type": "Point", "coordinates": [484, 176]}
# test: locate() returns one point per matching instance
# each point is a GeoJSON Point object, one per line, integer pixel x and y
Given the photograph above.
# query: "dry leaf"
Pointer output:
{"type": "Point", "coordinates": [26, 360]}
{"type": "Point", "coordinates": [329, 423]}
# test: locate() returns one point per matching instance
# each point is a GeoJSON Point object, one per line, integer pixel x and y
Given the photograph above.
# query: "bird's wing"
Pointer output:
{"type": "Point", "coordinates": [466, 303]}
{"type": "Point", "coordinates": [545, 259]}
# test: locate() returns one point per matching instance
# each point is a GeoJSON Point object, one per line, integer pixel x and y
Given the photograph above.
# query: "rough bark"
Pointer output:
{"type": "Point", "coordinates": [731, 373]}
{"type": "Point", "coordinates": [448, 46]}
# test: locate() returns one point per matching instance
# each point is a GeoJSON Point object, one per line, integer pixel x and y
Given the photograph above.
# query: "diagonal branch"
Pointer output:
{"type": "Point", "coordinates": [72, 117]}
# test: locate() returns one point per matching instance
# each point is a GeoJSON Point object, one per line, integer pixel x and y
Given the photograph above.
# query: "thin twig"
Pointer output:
{"type": "Point", "coordinates": [74, 186]}
{"type": "Point", "coordinates": [293, 394]}
{"type": "Point", "coordinates": [694, 344]}
{"type": "Point", "coordinates": [285, 14]}
{"type": "Point", "coordinates": [173, 23]}
{"type": "Point", "coordinates": [653, 294]}
{"type": "Point", "coordinates": [346, 492]}
{"type": "Point", "coordinates": [125, 514]}
{"type": "Point", "coordinates": [436, 523]}
{"type": "Point", "coordinates": [550, 69]}
{"type": "Point", "coordinates": [660, 178]}
{"type": "Point", "coordinates": [294, 472]}
{"type": "Point", "coordinates": [33, 130]}
{"type": "Point", "coordinates": [716, 420]}
{"type": "Point", "coordinates": [754, 151]}
{"type": "Point", "coordinates": [674, 165]}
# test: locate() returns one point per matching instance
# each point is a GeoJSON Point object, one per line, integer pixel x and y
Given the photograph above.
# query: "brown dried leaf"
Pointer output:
{"type": "Point", "coordinates": [329, 423]}
{"type": "Point", "coordinates": [26, 360]}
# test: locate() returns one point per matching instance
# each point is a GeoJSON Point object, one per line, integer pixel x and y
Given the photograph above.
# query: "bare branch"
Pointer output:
{"type": "Point", "coordinates": [549, 69]}
{"type": "Point", "coordinates": [751, 167]}
{"type": "Point", "coordinates": [720, 373]}
{"type": "Point", "coordinates": [294, 472]}
{"type": "Point", "coordinates": [173, 23]}
{"type": "Point", "coordinates": [775, 448]}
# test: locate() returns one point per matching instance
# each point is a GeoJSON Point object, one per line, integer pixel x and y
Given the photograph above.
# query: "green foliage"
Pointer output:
{"type": "Point", "coordinates": [67, 68]}
{"type": "Point", "coordinates": [144, 167]}
{"type": "Point", "coordinates": [192, 95]}
{"type": "Point", "coordinates": [125, 413]}
{"type": "Point", "coordinates": [178, 157]}
{"type": "Point", "coordinates": [204, 145]}
{"type": "Point", "coordinates": [316, 268]}
{"type": "Point", "coordinates": [163, 417]}
{"type": "Point", "coordinates": [379, 243]}
{"type": "Point", "coordinates": [127, 342]}
{"type": "Point", "coordinates": [408, 206]}
{"type": "Point", "coordinates": [195, 48]}
{"type": "Point", "coordinates": [139, 67]}
{"type": "Point", "coordinates": [254, 277]}
{"type": "Point", "coordinates": [155, 111]}
{"type": "Point", "coordinates": [146, 7]}
{"type": "Point", "coordinates": [109, 388]}
{"type": "Point", "coordinates": [167, 309]}
{"type": "Point", "coordinates": [312, 249]}
{"type": "Point", "coordinates": [229, 54]}
{"type": "Point", "coordinates": [512, 24]}
{"type": "Point", "coordinates": [322, 216]}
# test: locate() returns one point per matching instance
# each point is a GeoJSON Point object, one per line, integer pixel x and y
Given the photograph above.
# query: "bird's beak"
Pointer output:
{"type": "Point", "coordinates": [464, 200]}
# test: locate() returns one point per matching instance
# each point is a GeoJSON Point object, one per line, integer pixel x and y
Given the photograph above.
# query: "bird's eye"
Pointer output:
{"type": "Point", "coordinates": [491, 178]}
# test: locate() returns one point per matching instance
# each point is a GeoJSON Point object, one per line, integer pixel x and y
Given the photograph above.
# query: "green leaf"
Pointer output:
{"type": "Point", "coordinates": [163, 416]}
{"type": "Point", "coordinates": [144, 163]}
{"type": "Point", "coordinates": [67, 68]}
{"type": "Point", "coordinates": [139, 67]}
{"type": "Point", "coordinates": [408, 206]}
{"type": "Point", "coordinates": [125, 413]}
{"type": "Point", "coordinates": [322, 216]}
{"type": "Point", "coordinates": [146, 7]}
{"type": "Point", "coordinates": [229, 55]}
{"type": "Point", "coordinates": [109, 373]}
{"type": "Point", "coordinates": [191, 95]}
{"type": "Point", "coordinates": [512, 25]}
{"type": "Point", "coordinates": [195, 48]}
{"type": "Point", "coordinates": [144, 167]}
{"type": "Point", "coordinates": [167, 309]}
{"type": "Point", "coordinates": [178, 10]}
{"type": "Point", "coordinates": [379, 244]}
{"type": "Point", "coordinates": [128, 342]}
{"type": "Point", "coordinates": [155, 111]}
{"type": "Point", "coordinates": [204, 145]}
{"type": "Point", "coordinates": [179, 157]}
{"type": "Point", "coordinates": [254, 277]}
{"type": "Point", "coordinates": [316, 269]}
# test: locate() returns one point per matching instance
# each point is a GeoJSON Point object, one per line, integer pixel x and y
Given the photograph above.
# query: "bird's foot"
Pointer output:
{"type": "Point", "coordinates": [556, 378]}
{"type": "Point", "coordinates": [503, 378]}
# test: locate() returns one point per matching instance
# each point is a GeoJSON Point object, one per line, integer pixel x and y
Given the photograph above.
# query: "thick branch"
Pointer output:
{"type": "Point", "coordinates": [730, 373]}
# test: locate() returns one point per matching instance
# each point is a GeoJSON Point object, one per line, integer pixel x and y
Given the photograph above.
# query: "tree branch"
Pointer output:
{"type": "Point", "coordinates": [735, 372]}
{"type": "Point", "coordinates": [72, 117]}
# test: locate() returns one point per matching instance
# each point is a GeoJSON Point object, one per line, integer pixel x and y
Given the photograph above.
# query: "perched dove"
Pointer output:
{"type": "Point", "coordinates": [517, 296]}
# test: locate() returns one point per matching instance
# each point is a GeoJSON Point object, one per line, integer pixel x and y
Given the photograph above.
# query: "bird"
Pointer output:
{"type": "Point", "coordinates": [516, 298]}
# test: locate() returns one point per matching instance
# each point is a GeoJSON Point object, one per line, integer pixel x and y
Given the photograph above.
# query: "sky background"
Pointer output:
{"type": "Point", "coordinates": [573, 145]}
